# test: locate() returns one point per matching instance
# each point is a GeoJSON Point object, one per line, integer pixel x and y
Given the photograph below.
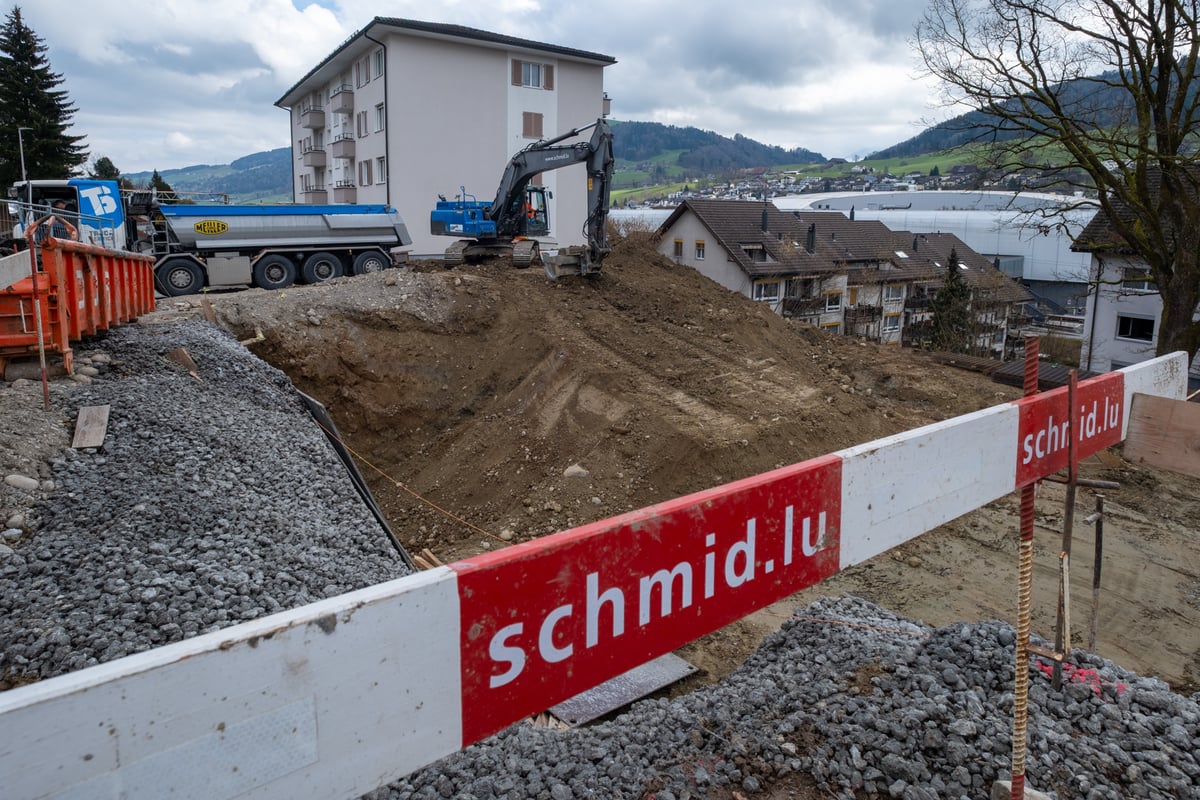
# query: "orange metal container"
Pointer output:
{"type": "Point", "coordinates": [80, 290]}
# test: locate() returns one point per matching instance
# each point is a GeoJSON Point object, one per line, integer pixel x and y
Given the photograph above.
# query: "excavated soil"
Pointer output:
{"type": "Point", "coordinates": [491, 406]}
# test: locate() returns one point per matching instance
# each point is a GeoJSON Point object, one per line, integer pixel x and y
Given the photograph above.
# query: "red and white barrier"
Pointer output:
{"type": "Point", "coordinates": [339, 697]}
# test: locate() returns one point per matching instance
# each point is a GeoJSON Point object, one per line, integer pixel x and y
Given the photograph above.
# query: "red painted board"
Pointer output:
{"type": "Point", "coordinates": [1042, 443]}
{"type": "Point", "coordinates": [545, 620]}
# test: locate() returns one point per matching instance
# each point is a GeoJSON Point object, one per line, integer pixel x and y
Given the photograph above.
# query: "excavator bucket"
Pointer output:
{"type": "Point", "coordinates": [570, 262]}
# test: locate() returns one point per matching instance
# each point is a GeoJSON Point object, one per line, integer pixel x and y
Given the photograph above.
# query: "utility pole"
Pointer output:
{"type": "Point", "coordinates": [24, 180]}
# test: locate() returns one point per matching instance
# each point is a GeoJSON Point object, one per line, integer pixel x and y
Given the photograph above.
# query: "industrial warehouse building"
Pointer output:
{"type": "Point", "coordinates": [404, 111]}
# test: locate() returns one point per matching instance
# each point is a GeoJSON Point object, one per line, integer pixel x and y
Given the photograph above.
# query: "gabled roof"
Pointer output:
{"type": "Point", "coordinates": [980, 274]}
{"type": "Point", "coordinates": [739, 224]}
{"type": "Point", "coordinates": [866, 250]}
{"type": "Point", "coordinates": [1100, 234]}
{"type": "Point", "coordinates": [447, 31]}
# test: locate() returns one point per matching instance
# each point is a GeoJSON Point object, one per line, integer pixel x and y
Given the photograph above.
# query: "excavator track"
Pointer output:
{"type": "Point", "coordinates": [525, 253]}
{"type": "Point", "coordinates": [456, 254]}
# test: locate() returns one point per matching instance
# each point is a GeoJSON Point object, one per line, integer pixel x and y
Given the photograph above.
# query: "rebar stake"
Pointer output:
{"type": "Point", "coordinates": [1024, 601]}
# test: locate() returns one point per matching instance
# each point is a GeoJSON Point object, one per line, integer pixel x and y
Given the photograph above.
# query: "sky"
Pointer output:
{"type": "Point", "coordinates": [162, 84]}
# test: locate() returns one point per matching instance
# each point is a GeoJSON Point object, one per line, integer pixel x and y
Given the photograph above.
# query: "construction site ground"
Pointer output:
{"type": "Point", "coordinates": [491, 406]}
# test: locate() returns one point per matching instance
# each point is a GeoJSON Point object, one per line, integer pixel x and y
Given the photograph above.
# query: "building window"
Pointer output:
{"type": "Point", "coordinates": [679, 248]}
{"type": "Point", "coordinates": [755, 252]}
{"type": "Point", "coordinates": [1137, 328]}
{"type": "Point", "coordinates": [380, 170]}
{"type": "Point", "coordinates": [377, 63]}
{"type": "Point", "coordinates": [532, 74]}
{"type": "Point", "coordinates": [531, 125]}
{"type": "Point", "coordinates": [891, 323]}
{"type": "Point", "coordinates": [831, 327]}
{"type": "Point", "coordinates": [893, 291]}
{"type": "Point", "coordinates": [1138, 280]}
{"type": "Point", "coordinates": [833, 301]}
{"type": "Point", "coordinates": [380, 117]}
{"type": "Point", "coordinates": [699, 249]}
{"type": "Point", "coordinates": [800, 287]}
{"type": "Point", "coordinates": [364, 173]}
{"type": "Point", "coordinates": [360, 122]}
{"type": "Point", "coordinates": [362, 72]}
{"type": "Point", "coordinates": [766, 290]}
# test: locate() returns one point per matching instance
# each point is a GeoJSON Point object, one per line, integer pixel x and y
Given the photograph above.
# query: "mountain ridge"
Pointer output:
{"type": "Point", "coordinates": [647, 153]}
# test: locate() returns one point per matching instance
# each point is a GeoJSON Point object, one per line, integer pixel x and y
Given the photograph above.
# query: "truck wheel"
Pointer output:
{"type": "Point", "coordinates": [274, 272]}
{"type": "Point", "coordinates": [370, 261]}
{"type": "Point", "coordinates": [320, 267]}
{"type": "Point", "coordinates": [177, 276]}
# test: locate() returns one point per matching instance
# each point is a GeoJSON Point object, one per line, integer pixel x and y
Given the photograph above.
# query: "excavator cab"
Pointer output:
{"type": "Point", "coordinates": [537, 211]}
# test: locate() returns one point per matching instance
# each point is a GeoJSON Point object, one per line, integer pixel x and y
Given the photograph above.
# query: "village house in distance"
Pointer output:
{"type": "Point", "coordinates": [847, 276]}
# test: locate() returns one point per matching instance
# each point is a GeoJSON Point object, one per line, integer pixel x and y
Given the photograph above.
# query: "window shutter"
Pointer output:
{"type": "Point", "coordinates": [516, 73]}
{"type": "Point", "coordinates": [547, 76]}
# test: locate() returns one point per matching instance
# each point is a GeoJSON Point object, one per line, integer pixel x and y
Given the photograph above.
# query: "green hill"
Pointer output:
{"type": "Point", "coordinates": [264, 177]}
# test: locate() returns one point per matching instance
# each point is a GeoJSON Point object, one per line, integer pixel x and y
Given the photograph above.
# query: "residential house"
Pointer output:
{"type": "Point", "coordinates": [1124, 307]}
{"type": "Point", "coordinates": [855, 277]}
{"type": "Point", "coordinates": [406, 110]}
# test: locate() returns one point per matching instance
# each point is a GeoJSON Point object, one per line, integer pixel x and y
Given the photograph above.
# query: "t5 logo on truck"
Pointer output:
{"type": "Point", "coordinates": [210, 227]}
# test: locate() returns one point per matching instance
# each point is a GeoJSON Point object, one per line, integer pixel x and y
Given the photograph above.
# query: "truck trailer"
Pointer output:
{"type": "Point", "coordinates": [216, 245]}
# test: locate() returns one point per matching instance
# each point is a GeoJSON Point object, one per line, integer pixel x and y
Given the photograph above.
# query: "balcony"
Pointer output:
{"type": "Point", "coordinates": [862, 312]}
{"type": "Point", "coordinates": [803, 306]}
{"type": "Point", "coordinates": [312, 117]}
{"type": "Point", "coordinates": [341, 99]}
{"type": "Point", "coordinates": [315, 195]}
{"type": "Point", "coordinates": [314, 157]}
{"type": "Point", "coordinates": [345, 192]}
{"type": "Point", "coordinates": [342, 146]}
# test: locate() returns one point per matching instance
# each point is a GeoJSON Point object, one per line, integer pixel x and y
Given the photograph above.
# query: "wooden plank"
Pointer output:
{"type": "Point", "coordinates": [91, 426]}
{"type": "Point", "coordinates": [1164, 433]}
{"type": "Point", "coordinates": [181, 356]}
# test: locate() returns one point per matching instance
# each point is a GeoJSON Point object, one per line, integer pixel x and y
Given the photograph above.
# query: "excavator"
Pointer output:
{"type": "Point", "coordinates": [509, 225]}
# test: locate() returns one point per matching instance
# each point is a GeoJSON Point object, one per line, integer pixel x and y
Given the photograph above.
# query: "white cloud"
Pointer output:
{"type": "Point", "coordinates": [200, 78]}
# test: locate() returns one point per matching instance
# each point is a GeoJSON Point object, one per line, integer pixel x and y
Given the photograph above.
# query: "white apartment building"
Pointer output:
{"type": "Point", "coordinates": [404, 111]}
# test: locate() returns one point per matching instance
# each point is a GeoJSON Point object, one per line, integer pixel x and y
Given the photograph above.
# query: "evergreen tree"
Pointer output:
{"type": "Point", "coordinates": [951, 309]}
{"type": "Point", "coordinates": [104, 169]}
{"type": "Point", "coordinates": [30, 98]}
{"type": "Point", "coordinates": [157, 182]}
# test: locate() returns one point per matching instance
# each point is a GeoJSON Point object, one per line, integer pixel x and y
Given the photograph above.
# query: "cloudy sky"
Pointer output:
{"type": "Point", "coordinates": [161, 84]}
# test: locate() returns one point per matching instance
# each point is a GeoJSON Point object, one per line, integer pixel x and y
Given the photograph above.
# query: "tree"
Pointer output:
{"type": "Point", "coordinates": [157, 182]}
{"type": "Point", "coordinates": [104, 169]}
{"type": "Point", "coordinates": [951, 310]}
{"type": "Point", "coordinates": [1111, 83]}
{"type": "Point", "coordinates": [30, 98]}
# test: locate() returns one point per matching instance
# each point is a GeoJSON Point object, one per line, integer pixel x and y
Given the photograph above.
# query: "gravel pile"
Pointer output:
{"type": "Point", "coordinates": [867, 704]}
{"type": "Point", "coordinates": [215, 499]}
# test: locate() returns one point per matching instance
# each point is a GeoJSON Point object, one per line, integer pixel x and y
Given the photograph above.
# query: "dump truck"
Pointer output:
{"type": "Point", "coordinates": [199, 245]}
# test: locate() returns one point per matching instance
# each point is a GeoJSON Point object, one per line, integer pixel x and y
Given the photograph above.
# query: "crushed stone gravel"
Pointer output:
{"type": "Point", "coordinates": [214, 500]}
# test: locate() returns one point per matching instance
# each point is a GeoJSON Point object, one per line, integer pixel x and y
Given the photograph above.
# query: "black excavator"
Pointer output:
{"type": "Point", "coordinates": [510, 224]}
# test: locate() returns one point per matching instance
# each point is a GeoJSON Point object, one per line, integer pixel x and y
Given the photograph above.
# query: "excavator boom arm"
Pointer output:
{"type": "Point", "coordinates": [539, 157]}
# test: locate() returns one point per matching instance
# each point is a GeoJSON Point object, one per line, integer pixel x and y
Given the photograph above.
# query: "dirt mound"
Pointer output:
{"type": "Point", "coordinates": [522, 406]}
{"type": "Point", "coordinates": [653, 381]}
